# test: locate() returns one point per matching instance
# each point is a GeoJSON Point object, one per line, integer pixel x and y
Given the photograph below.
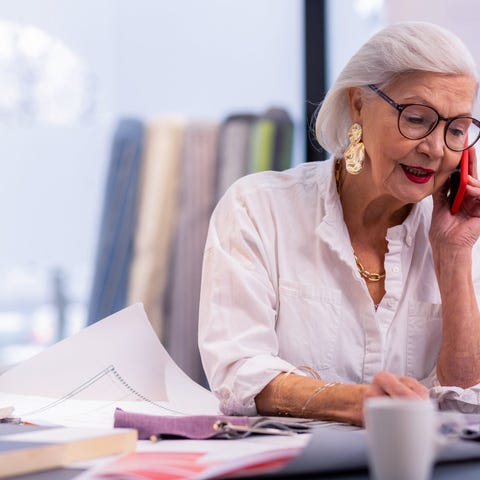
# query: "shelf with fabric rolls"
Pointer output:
{"type": "Point", "coordinates": [165, 177]}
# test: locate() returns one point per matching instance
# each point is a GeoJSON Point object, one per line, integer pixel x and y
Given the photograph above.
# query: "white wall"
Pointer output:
{"type": "Point", "coordinates": [52, 177]}
{"type": "Point", "coordinates": [350, 23]}
{"type": "Point", "coordinates": [207, 58]}
{"type": "Point", "coordinates": [460, 16]}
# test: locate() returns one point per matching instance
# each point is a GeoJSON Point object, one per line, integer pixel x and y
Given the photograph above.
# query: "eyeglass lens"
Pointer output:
{"type": "Point", "coordinates": [417, 121]}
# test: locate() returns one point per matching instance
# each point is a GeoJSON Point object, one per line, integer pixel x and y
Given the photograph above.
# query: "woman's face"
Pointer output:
{"type": "Point", "coordinates": [410, 170]}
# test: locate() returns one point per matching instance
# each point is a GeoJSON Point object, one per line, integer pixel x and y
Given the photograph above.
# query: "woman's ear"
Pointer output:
{"type": "Point", "coordinates": [355, 99]}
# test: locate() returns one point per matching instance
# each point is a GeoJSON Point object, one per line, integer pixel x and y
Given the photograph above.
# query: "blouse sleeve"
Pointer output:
{"type": "Point", "coordinates": [465, 400]}
{"type": "Point", "coordinates": [238, 305]}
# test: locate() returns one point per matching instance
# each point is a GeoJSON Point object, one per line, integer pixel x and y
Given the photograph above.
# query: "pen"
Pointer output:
{"type": "Point", "coordinates": [15, 420]}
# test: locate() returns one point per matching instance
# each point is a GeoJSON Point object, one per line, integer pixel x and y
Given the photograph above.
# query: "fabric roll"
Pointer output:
{"type": "Point", "coordinates": [282, 138]}
{"type": "Point", "coordinates": [272, 141]}
{"type": "Point", "coordinates": [234, 146]}
{"type": "Point", "coordinates": [262, 145]}
{"type": "Point", "coordinates": [157, 217]}
{"type": "Point", "coordinates": [118, 221]}
{"type": "Point", "coordinates": [196, 203]}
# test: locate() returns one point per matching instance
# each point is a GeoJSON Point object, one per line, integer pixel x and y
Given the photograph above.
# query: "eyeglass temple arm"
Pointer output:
{"type": "Point", "coordinates": [385, 97]}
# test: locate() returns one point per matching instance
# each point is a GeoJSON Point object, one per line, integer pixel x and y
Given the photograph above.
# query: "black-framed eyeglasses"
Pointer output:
{"type": "Point", "coordinates": [416, 121]}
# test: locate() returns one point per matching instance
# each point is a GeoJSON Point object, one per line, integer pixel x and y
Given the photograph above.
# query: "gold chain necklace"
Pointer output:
{"type": "Point", "coordinates": [370, 276]}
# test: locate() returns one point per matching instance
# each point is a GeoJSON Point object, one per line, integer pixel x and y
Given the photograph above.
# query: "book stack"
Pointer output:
{"type": "Point", "coordinates": [26, 448]}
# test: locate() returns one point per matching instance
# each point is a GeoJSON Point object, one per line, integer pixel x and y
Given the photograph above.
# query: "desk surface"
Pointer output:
{"type": "Point", "coordinates": [344, 457]}
{"type": "Point", "coordinates": [450, 471]}
{"type": "Point", "coordinates": [57, 474]}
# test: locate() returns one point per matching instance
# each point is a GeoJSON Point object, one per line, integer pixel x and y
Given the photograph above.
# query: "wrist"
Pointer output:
{"type": "Point", "coordinates": [342, 402]}
{"type": "Point", "coordinates": [298, 396]}
{"type": "Point", "coordinates": [448, 260]}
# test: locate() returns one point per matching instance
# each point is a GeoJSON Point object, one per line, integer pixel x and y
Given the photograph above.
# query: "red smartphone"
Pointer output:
{"type": "Point", "coordinates": [458, 183]}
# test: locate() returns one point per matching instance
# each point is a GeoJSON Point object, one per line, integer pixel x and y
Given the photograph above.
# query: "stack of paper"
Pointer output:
{"type": "Point", "coordinates": [117, 362]}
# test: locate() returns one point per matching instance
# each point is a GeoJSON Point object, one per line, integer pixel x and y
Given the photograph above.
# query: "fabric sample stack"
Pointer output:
{"type": "Point", "coordinates": [164, 181]}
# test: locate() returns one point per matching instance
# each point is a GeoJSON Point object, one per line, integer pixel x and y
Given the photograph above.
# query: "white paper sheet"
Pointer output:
{"type": "Point", "coordinates": [118, 361]}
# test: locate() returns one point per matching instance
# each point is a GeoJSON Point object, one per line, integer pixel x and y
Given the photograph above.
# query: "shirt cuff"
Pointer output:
{"type": "Point", "coordinates": [250, 380]}
{"type": "Point", "coordinates": [465, 400]}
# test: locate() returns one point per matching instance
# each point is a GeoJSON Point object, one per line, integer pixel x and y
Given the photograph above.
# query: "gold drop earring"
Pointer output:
{"type": "Point", "coordinates": [355, 152]}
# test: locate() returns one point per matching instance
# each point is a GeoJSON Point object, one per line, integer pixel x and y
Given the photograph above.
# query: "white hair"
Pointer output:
{"type": "Point", "coordinates": [397, 50]}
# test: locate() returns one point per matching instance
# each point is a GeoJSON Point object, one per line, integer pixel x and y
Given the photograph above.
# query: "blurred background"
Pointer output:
{"type": "Point", "coordinates": [74, 74]}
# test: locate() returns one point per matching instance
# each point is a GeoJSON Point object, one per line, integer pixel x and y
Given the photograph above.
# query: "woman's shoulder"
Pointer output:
{"type": "Point", "coordinates": [303, 176]}
{"type": "Point", "coordinates": [275, 199]}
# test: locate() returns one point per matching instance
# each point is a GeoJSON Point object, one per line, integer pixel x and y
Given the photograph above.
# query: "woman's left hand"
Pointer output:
{"type": "Point", "coordinates": [463, 228]}
{"type": "Point", "coordinates": [452, 238]}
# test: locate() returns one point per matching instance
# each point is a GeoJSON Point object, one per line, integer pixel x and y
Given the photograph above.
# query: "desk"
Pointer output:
{"type": "Point", "coordinates": [451, 471]}
{"type": "Point", "coordinates": [343, 454]}
{"type": "Point", "coordinates": [329, 454]}
{"type": "Point", "coordinates": [57, 474]}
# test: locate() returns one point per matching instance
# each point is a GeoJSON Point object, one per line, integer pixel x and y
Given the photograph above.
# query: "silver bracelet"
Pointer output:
{"type": "Point", "coordinates": [316, 392]}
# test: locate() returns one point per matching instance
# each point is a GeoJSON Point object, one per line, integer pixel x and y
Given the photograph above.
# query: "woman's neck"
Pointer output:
{"type": "Point", "coordinates": [365, 209]}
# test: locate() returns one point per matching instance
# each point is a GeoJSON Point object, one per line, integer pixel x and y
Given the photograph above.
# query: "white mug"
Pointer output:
{"type": "Point", "coordinates": [404, 436]}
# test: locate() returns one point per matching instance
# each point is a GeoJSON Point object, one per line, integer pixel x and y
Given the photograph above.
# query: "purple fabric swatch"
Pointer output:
{"type": "Point", "coordinates": [195, 427]}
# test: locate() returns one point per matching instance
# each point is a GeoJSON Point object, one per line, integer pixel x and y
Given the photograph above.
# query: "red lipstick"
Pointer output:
{"type": "Point", "coordinates": [417, 174]}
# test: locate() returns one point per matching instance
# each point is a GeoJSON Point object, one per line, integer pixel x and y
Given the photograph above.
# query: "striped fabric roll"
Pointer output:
{"type": "Point", "coordinates": [271, 142]}
{"type": "Point", "coordinates": [158, 216]}
{"type": "Point", "coordinates": [118, 222]}
{"type": "Point", "coordinates": [234, 145]}
{"type": "Point", "coordinates": [262, 145]}
{"type": "Point", "coordinates": [282, 138]}
{"type": "Point", "coordinates": [196, 203]}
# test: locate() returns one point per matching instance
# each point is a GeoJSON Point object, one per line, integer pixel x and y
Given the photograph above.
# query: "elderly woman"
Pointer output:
{"type": "Point", "coordinates": [340, 280]}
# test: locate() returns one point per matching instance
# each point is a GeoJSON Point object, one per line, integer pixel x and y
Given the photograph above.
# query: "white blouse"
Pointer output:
{"type": "Point", "coordinates": [280, 289]}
